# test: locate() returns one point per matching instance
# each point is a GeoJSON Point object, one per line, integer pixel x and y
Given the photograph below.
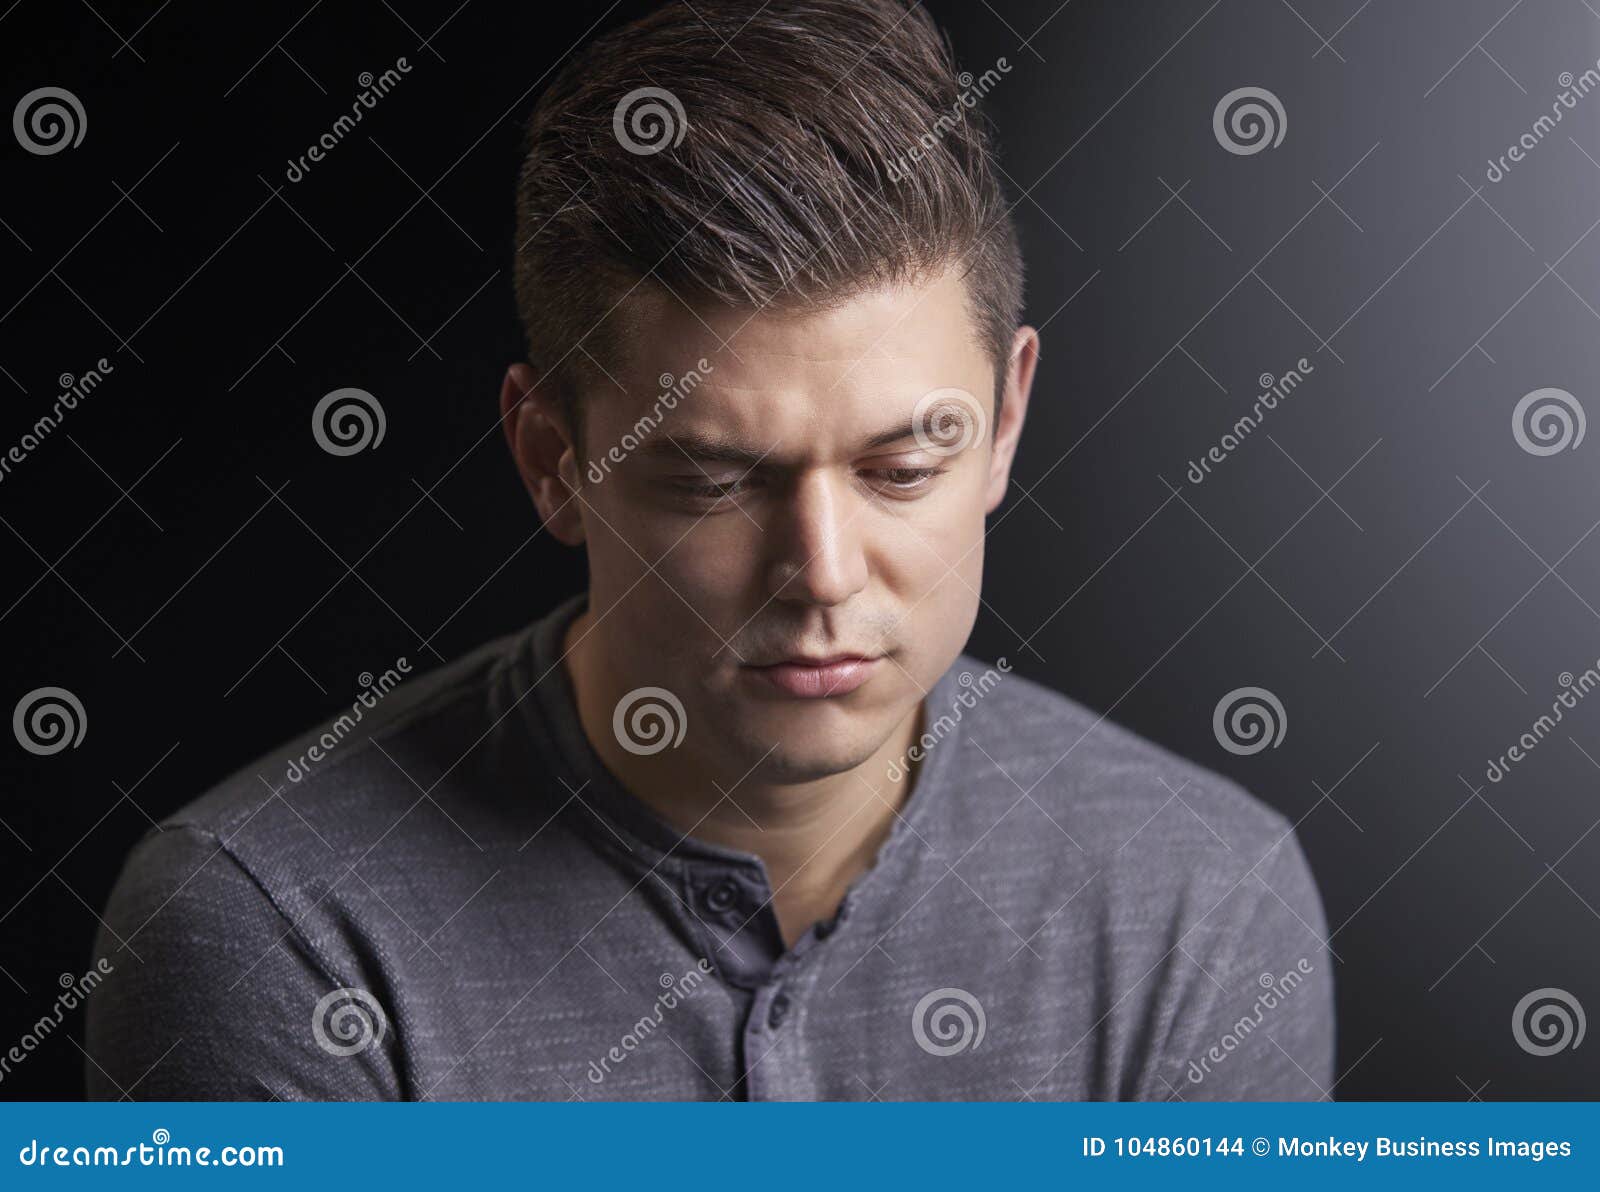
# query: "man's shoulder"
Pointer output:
{"type": "Point", "coordinates": [1100, 781]}
{"type": "Point", "coordinates": [387, 814]}
{"type": "Point", "coordinates": [372, 757]}
{"type": "Point", "coordinates": [1108, 835]}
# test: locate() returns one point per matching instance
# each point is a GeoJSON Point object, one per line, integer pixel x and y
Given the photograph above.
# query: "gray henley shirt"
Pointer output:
{"type": "Point", "coordinates": [460, 902]}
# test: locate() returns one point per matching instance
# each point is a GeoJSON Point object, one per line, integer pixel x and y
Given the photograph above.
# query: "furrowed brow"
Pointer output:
{"type": "Point", "coordinates": [710, 449]}
{"type": "Point", "coordinates": [701, 449]}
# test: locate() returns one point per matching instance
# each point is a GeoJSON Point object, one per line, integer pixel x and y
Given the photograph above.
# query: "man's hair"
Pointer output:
{"type": "Point", "coordinates": [756, 158]}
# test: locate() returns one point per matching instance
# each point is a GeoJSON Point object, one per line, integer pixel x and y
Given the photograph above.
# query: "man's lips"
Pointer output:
{"type": "Point", "coordinates": [823, 659]}
{"type": "Point", "coordinates": [818, 677]}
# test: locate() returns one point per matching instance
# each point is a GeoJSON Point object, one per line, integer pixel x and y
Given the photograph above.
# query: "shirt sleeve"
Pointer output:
{"type": "Point", "coordinates": [214, 994]}
{"type": "Point", "coordinates": [1258, 1022]}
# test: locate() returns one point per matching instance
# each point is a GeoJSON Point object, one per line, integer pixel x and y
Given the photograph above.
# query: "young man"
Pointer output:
{"type": "Point", "coordinates": [742, 820]}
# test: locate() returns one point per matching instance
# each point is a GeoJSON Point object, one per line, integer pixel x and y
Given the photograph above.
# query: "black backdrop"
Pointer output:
{"type": "Point", "coordinates": [1383, 553]}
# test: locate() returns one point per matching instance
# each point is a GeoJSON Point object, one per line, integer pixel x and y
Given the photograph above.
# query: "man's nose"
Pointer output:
{"type": "Point", "coordinates": [816, 537]}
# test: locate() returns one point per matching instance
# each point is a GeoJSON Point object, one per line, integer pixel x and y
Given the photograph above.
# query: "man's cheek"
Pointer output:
{"type": "Point", "coordinates": [706, 570]}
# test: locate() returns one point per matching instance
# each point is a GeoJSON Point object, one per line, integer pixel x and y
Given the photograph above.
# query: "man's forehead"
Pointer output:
{"type": "Point", "coordinates": [887, 326]}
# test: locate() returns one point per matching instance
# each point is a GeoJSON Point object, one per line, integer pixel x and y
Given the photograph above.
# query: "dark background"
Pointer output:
{"type": "Point", "coordinates": [1381, 555]}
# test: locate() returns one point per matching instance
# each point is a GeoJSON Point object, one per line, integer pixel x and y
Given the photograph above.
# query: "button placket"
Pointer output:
{"type": "Point", "coordinates": [778, 1009]}
{"type": "Point", "coordinates": [726, 912]}
{"type": "Point", "coordinates": [722, 895]}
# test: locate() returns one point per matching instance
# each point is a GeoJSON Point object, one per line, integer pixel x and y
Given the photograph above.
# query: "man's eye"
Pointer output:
{"type": "Point", "coordinates": [707, 490]}
{"type": "Point", "coordinates": [906, 479]}
{"type": "Point", "coordinates": [891, 480]}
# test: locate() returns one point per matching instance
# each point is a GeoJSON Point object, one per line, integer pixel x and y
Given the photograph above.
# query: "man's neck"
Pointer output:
{"type": "Point", "coordinates": [814, 838]}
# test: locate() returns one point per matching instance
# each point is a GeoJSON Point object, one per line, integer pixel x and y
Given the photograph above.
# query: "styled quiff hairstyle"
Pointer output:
{"type": "Point", "coordinates": [754, 156]}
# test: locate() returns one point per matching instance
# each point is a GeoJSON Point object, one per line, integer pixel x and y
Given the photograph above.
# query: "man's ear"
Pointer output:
{"type": "Point", "coordinates": [543, 446]}
{"type": "Point", "coordinates": [1013, 409]}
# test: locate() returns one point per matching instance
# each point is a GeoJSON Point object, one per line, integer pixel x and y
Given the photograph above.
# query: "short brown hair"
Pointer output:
{"type": "Point", "coordinates": [756, 158]}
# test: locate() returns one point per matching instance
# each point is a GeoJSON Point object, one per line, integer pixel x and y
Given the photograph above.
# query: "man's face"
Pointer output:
{"type": "Point", "coordinates": [820, 489]}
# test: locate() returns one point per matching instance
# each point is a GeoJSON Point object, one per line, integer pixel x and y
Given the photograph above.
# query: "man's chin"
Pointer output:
{"type": "Point", "coordinates": [795, 754]}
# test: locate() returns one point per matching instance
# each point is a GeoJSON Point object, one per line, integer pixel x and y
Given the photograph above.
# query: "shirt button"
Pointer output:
{"type": "Point", "coordinates": [778, 1010]}
{"type": "Point", "coordinates": [722, 895]}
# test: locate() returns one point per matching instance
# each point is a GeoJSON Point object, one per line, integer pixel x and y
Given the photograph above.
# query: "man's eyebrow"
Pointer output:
{"type": "Point", "coordinates": [712, 449]}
